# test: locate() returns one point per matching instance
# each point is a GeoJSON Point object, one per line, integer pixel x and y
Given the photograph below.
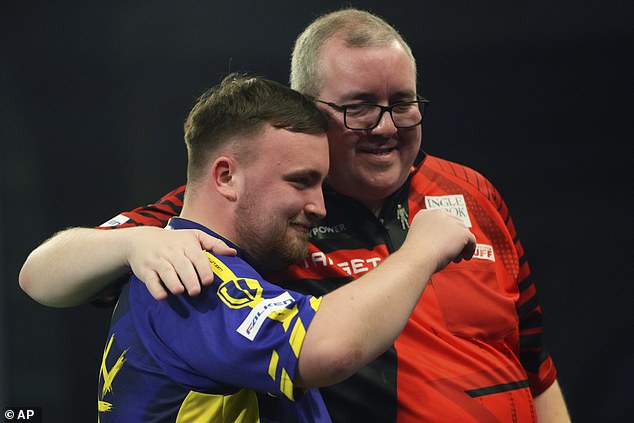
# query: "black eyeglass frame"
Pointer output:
{"type": "Point", "coordinates": [422, 104]}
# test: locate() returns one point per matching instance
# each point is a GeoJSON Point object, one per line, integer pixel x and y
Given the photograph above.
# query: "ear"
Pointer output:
{"type": "Point", "coordinates": [223, 175]}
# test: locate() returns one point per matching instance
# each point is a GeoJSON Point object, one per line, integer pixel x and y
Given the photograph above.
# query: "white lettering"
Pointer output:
{"type": "Point", "coordinates": [484, 252]}
{"type": "Point", "coordinates": [374, 261]}
{"type": "Point", "coordinates": [320, 230]}
{"type": "Point", "coordinates": [25, 414]}
{"type": "Point", "coordinates": [354, 266]}
{"type": "Point", "coordinates": [251, 325]}
{"type": "Point", "coordinates": [358, 266]}
{"type": "Point", "coordinates": [345, 266]}
{"type": "Point", "coordinates": [318, 257]}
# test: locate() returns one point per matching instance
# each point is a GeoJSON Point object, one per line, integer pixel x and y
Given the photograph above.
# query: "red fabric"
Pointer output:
{"type": "Point", "coordinates": [156, 214]}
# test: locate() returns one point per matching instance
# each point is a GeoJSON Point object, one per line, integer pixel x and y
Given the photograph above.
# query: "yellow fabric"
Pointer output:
{"type": "Point", "coordinates": [108, 376]}
{"type": "Point", "coordinates": [297, 336]}
{"type": "Point", "coordinates": [315, 302]}
{"type": "Point", "coordinates": [241, 407]}
{"type": "Point", "coordinates": [275, 358]}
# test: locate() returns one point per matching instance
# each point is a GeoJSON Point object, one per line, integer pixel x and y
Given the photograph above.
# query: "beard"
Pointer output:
{"type": "Point", "coordinates": [273, 243]}
{"type": "Point", "coordinates": [286, 247]}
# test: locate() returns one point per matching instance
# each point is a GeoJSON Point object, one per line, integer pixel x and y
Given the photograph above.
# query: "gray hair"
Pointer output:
{"type": "Point", "coordinates": [357, 28]}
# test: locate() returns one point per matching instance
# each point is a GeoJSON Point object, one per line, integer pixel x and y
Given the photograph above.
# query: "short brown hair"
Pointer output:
{"type": "Point", "coordinates": [238, 107]}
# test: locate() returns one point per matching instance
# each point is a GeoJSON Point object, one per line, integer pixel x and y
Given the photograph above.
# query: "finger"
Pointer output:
{"type": "Point", "coordinates": [216, 245]}
{"type": "Point", "coordinates": [200, 261]}
{"type": "Point", "coordinates": [170, 279]}
{"type": "Point", "coordinates": [469, 249]}
{"type": "Point", "coordinates": [186, 273]}
{"type": "Point", "coordinates": [153, 284]}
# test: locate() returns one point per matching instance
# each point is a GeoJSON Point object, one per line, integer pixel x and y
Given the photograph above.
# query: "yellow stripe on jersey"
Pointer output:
{"type": "Point", "coordinates": [275, 358]}
{"type": "Point", "coordinates": [315, 302]}
{"type": "Point", "coordinates": [241, 407]}
{"type": "Point", "coordinates": [219, 268]}
{"type": "Point", "coordinates": [285, 316]}
{"type": "Point", "coordinates": [297, 336]}
{"type": "Point", "coordinates": [286, 385]}
{"type": "Point", "coordinates": [242, 292]}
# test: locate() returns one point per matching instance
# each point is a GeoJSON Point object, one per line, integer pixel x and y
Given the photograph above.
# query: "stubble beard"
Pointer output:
{"type": "Point", "coordinates": [290, 247]}
{"type": "Point", "coordinates": [274, 245]}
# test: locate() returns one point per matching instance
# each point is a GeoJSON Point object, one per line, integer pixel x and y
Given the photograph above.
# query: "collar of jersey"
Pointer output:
{"type": "Point", "coordinates": [182, 223]}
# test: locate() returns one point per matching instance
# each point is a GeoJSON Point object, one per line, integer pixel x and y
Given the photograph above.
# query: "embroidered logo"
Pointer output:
{"type": "Point", "coordinates": [317, 231]}
{"type": "Point", "coordinates": [484, 252]}
{"type": "Point", "coordinates": [453, 204]}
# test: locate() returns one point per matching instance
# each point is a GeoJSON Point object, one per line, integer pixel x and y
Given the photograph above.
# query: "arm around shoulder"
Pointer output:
{"type": "Point", "coordinates": [73, 266]}
{"type": "Point", "coordinates": [77, 264]}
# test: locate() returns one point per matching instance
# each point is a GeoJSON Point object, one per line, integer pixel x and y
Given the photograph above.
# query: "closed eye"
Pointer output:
{"type": "Point", "coordinates": [305, 180]}
{"type": "Point", "coordinates": [300, 182]}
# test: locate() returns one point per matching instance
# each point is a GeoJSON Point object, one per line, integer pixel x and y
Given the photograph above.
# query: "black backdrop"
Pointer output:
{"type": "Point", "coordinates": [535, 95]}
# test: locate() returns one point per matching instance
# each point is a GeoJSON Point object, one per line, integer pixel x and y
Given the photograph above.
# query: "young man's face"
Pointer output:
{"type": "Point", "coordinates": [368, 165]}
{"type": "Point", "coordinates": [281, 195]}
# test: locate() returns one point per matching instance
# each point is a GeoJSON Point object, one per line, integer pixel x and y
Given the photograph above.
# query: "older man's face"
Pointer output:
{"type": "Point", "coordinates": [368, 165]}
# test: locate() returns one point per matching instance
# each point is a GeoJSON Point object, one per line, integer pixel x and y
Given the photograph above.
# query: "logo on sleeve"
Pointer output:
{"type": "Point", "coordinates": [453, 204]}
{"type": "Point", "coordinates": [484, 252]}
{"type": "Point", "coordinates": [254, 321]}
{"type": "Point", "coordinates": [115, 221]}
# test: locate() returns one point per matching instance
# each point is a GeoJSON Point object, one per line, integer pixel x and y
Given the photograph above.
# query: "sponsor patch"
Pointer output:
{"type": "Point", "coordinates": [115, 221]}
{"type": "Point", "coordinates": [325, 230]}
{"type": "Point", "coordinates": [366, 261]}
{"type": "Point", "coordinates": [254, 321]}
{"type": "Point", "coordinates": [453, 204]}
{"type": "Point", "coordinates": [484, 252]}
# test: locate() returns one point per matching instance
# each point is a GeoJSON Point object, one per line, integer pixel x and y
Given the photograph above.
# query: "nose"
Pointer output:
{"type": "Point", "coordinates": [315, 207]}
{"type": "Point", "coordinates": [386, 126]}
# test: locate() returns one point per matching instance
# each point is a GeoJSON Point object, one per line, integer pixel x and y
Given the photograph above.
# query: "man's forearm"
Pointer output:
{"type": "Point", "coordinates": [74, 265]}
{"type": "Point", "coordinates": [551, 407]}
{"type": "Point", "coordinates": [359, 321]}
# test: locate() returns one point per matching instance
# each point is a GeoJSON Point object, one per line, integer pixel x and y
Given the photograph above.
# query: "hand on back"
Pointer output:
{"type": "Point", "coordinates": [173, 261]}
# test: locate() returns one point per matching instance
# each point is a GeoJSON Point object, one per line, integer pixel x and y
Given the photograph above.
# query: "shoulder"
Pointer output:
{"type": "Point", "coordinates": [231, 267]}
{"type": "Point", "coordinates": [175, 196]}
{"type": "Point", "coordinates": [454, 176]}
{"type": "Point", "coordinates": [446, 168]}
{"type": "Point", "coordinates": [155, 214]}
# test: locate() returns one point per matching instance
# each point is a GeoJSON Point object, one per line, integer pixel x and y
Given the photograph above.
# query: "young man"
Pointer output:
{"type": "Point", "coordinates": [240, 349]}
{"type": "Point", "coordinates": [472, 348]}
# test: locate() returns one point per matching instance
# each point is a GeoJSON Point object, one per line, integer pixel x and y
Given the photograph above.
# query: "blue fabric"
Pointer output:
{"type": "Point", "coordinates": [236, 334]}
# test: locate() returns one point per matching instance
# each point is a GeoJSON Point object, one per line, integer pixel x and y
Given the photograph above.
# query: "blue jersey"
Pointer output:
{"type": "Point", "coordinates": [227, 355]}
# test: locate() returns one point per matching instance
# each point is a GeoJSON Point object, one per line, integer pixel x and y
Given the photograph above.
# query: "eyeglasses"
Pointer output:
{"type": "Point", "coordinates": [366, 116]}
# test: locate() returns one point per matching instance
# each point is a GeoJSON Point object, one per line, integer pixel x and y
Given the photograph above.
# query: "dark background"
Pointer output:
{"type": "Point", "coordinates": [536, 95]}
